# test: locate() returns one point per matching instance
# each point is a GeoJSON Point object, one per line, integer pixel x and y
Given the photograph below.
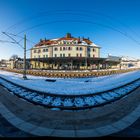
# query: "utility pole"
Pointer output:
{"type": "Point", "coordinates": [24, 63]}
{"type": "Point", "coordinates": [15, 42]}
{"type": "Point", "coordinates": [86, 58]}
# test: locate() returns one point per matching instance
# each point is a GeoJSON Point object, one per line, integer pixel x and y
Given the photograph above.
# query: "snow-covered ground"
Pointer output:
{"type": "Point", "coordinates": [74, 86]}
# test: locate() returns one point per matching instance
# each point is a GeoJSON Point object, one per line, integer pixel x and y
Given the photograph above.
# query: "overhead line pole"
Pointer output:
{"type": "Point", "coordinates": [24, 65]}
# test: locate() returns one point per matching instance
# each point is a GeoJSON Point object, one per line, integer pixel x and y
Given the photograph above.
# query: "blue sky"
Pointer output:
{"type": "Point", "coordinates": [112, 24]}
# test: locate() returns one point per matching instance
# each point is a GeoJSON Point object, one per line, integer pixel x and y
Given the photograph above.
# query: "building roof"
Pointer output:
{"type": "Point", "coordinates": [68, 37]}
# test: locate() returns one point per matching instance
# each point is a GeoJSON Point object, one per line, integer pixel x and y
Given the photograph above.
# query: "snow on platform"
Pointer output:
{"type": "Point", "coordinates": [74, 86]}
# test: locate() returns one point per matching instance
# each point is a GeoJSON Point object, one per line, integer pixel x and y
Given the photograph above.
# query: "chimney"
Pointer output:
{"type": "Point", "coordinates": [68, 35]}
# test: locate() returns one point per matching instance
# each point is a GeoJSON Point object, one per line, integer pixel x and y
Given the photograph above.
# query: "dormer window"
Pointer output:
{"type": "Point", "coordinates": [88, 49]}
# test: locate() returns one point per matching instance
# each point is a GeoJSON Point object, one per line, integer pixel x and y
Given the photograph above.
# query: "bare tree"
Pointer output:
{"type": "Point", "coordinates": [14, 57]}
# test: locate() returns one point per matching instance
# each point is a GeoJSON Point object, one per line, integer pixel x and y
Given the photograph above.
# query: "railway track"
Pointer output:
{"type": "Point", "coordinates": [69, 102]}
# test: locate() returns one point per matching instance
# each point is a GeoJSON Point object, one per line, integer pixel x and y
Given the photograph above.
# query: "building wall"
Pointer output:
{"type": "Point", "coordinates": [64, 47]}
{"type": "Point", "coordinates": [65, 51]}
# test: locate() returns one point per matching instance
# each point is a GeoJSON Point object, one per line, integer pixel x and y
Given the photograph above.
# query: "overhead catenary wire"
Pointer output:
{"type": "Point", "coordinates": [6, 41]}
{"type": "Point", "coordinates": [85, 13]}
{"type": "Point", "coordinates": [81, 21]}
{"type": "Point", "coordinates": [15, 35]}
{"type": "Point", "coordinates": [13, 39]}
{"type": "Point", "coordinates": [50, 12]}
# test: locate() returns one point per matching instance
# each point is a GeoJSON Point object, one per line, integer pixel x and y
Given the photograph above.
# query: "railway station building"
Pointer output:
{"type": "Point", "coordinates": [68, 53]}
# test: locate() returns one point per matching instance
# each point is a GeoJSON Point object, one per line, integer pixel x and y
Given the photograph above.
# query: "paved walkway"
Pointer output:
{"type": "Point", "coordinates": [100, 121]}
{"type": "Point", "coordinates": [131, 131]}
{"type": "Point", "coordinates": [8, 130]}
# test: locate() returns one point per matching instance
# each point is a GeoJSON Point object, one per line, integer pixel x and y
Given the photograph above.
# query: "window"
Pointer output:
{"type": "Point", "coordinates": [81, 49]}
{"type": "Point", "coordinates": [60, 48]}
{"type": "Point", "coordinates": [69, 55]}
{"type": "Point", "coordinates": [46, 55]}
{"type": "Point", "coordinates": [60, 54]}
{"type": "Point", "coordinates": [46, 50]}
{"type": "Point", "coordinates": [77, 54]}
{"type": "Point", "coordinates": [94, 50]}
{"type": "Point", "coordinates": [34, 51]}
{"type": "Point", "coordinates": [63, 55]}
{"type": "Point", "coordinates": [55, 55]}
{"type": "Point", "coordinates": [77, 48]}
{"type": "Point", "coordinates": [88, 49]}
{"type": "Point", "coordinates": [64, 48]}
{"type": "Point", "coordinates": [80, 55]}
{"type": "Point", "coordinates": [69, 48]}
{"type": "Point", "coordinates": [93, 55]}
{"type": "Point", "coordinates": [55, 49]}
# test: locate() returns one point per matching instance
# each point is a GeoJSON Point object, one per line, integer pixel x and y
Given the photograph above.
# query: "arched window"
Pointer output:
{"type": "Point", "coordinates": [55, 49]}
{"type": "Point", "coordinates": [64, 48]}
{"type": "Point", "coordinates": [77, 48]}
{"type": "Point", "coordinates": [81, 49]}
{"type": "Point", "coordinates": [69, 48]}
{"type": "Point", "coordinates": [60, 48]}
